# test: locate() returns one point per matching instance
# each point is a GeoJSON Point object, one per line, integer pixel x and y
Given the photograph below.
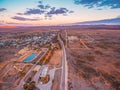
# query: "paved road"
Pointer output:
{"type": "Point", "coordinates": [22, 82]}
{"type": "Point", "coordinates": [37, 75]}
{"type": "Point", "coordinates": [64, 76]}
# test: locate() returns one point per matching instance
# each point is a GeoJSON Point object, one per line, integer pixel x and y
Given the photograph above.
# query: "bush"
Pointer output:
{"type": "Point", "coordinates": [25, 86]}
{"type": "Point", "coordinates": [90, 58]}
{"type": "Point", "coordinates": [29, 79]}
{"type": "Point", "coordinates": [117, 50]}
{"type": "Point", "coordinates": [22, 73]}
{"type": "Point", "coordinates": [98, 52]}
{"type": "Point", "coordinates": [29, 86]}
{"type": "Point", "coordinates": [86, 75]}
{"type": "Point", "coordinates": [32, 85]}
{"type": "Point", "coordinates": [112, 80]}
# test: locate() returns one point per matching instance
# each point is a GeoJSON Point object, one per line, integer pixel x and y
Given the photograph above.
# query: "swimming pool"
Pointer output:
{"type": "Point", "coordinates": [30, 58]}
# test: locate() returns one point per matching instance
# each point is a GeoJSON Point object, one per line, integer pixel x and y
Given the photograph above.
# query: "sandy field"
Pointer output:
{"type": "Point", "coordinates": [56, 58]}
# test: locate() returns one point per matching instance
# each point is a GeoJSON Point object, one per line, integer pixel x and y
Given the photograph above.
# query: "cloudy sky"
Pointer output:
{"type": "Point", "coordinates": [54, 12]}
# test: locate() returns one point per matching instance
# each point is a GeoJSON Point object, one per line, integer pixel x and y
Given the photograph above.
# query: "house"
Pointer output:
{"type": "Point", "coordinates": [44, 72]}
{"type": "Point", "coordinates": [72, 38]}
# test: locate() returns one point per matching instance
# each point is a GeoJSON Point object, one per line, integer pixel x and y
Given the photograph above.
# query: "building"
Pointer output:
{"type": "Point", "coordinates": [44, 72]}
{"type": "Point", "coordinates": [37, 68]}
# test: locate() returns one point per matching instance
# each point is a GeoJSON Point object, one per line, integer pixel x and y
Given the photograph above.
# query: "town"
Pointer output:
{"type": "Point", "coordinates": [36, 60]}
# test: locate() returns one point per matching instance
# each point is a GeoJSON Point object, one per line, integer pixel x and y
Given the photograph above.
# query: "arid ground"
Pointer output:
{"type": "Point", "coordinates": [93, 56]}
{"type": "Point", "coordinates": [94, 59]}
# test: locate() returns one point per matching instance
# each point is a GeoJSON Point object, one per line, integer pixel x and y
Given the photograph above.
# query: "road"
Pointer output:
{"type": "Point", "coordinates": [84, 44]}
{"type": "Point", "coordinates": [48, 85]}
{"type": "Point", "coordinates": [22, 82]}
{"type": "Point", "coordinates": [37, 75]}
{"type": "Point", "coordinates": [66, 38]}
{"type": "Point", "coordinates": [64, 76]}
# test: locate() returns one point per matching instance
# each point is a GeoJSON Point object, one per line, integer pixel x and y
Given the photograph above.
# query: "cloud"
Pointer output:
{"type": "Point", "coordinates": [19, 24]}
{"type": "Point", "coordinates": [99, 3]}
{"type": "Point", "coordinates": [41, 6]}
{"type": "Point", "coordinates": [24, 19]}
{"type": "Point", "coordinates": [20, 14]}
{"type": "Point", "coordinates": [2, 21]}
{"type": "Point", "coordinates": [2, 9]}
{"type": "Point", "coordinates": [118, 16]}
{"type": "Point", "coordinates": [13, 23]}
{"type": "Point", "coordinates": [58, 11]}
{"type": "Point", "coordinates": [63, 11]}
{"type": "Point", "coordinates": [46, 10]}
{"type": "Point", "coordinates": [40, 2]}
{"type": "Point", "coordinates": [34, 11]}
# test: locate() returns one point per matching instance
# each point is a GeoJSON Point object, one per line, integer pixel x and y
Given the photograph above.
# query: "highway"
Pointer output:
{"type": "Point", "coordinates": [64, 76]}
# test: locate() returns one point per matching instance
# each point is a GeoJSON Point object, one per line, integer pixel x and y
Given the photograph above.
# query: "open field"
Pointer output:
{"type": "Point", "coordinates": [56, 59]}
{"type": "Point", "coordinates": [95, 67]}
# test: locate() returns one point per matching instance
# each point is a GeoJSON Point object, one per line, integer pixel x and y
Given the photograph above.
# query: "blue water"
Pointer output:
{"type": "Point", "coordinates": [30, 58]}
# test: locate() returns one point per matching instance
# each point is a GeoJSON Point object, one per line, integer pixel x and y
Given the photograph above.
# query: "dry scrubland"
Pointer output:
{"type": "Point", "coordinates": [93, 57]}
{"type": "Point", "coordinates": [98, 66]}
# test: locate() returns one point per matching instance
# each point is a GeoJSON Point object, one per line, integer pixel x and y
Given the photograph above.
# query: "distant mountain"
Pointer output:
{"type": "Point", "coordinates": [113, 21]}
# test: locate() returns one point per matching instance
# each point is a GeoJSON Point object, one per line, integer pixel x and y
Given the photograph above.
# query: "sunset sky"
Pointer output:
{"type": "Point", "coordinates": [54, 12]}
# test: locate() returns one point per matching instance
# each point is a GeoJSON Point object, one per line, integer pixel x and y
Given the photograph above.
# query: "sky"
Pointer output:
{"type": "Point", "coordinates": [55, 12]}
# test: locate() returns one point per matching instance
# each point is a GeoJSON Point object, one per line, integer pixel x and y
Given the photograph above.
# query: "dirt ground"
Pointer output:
{"type": "Point", "coordinates": [6, 55]}
{"type": "Point", "coordinates": [10, 66]}
{"type": "Point", "coordinates": [12, 70]}
{"type": "Point", "coordinates": [56, 58]}
{"type": "Point", "coordinates": [96, 68]}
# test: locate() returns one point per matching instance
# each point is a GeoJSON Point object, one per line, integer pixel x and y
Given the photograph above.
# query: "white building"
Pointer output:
{"type": "Point", "coordinates": [44, 72]}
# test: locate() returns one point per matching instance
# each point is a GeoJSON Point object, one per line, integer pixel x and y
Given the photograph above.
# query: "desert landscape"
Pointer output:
{"type": "Point", "coordinates": [93, 57]}
{"type": "Point", "coordinates": [59, 44]}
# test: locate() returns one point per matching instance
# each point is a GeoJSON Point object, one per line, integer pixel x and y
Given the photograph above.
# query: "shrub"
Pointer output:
{"type": "Point", "coordinates": [90, 58]}
{"type": "Point", "coordinates": [25, 86]}
{"type": "Point", "coordinates": [112, 80]}
{"type": "Point", "coordinates": [22, 73]}
{"type": "Point", "coordinates": [29, 86]}
{"type": "Point", "coordinates": [98, 52]}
